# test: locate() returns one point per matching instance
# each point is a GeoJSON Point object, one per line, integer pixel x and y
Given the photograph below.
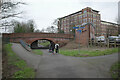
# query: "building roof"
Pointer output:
{"type": "Point", "coordinates": [70, 14]}
{"type": "Point", "coordinates": [109, 22]}
{"type": "Point", "coordinates": [78, 12]}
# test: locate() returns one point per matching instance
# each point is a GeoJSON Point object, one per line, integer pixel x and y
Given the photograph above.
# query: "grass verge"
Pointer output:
{"type": "Point", "coordinates": [115, 71]}
{"type": "Point", "coordinates": [24, 71]}
{"type": "Point", "coordinates": [38, 52]}
{"type": "Point", "coordinates": [88, 53]}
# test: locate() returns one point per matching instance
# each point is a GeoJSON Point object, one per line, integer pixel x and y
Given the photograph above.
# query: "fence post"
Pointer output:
{"type": "Point", "coordinates": [108, 43]}
{"type": "Point", "coordinates": [100, 42]}
{"type": "Point", "coordinates": [115, 43]}
{"type": "Point", "coordinates": [90, 43]}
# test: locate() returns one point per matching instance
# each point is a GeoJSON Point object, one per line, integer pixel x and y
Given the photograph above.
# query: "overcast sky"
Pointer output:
{"type": "Point", "coordinates": [44, 12]}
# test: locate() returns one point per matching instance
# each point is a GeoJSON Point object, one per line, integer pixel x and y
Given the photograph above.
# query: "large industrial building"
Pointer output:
{"type": "Point", "coordinates": [66, 23]}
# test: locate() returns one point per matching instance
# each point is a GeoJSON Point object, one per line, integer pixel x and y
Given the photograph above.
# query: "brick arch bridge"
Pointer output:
{"type": "Point", "coordinates": [31, 37]}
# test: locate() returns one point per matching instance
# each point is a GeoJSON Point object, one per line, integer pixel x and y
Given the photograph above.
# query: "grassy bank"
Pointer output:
{"type": "Point", "coordinates": [21, 70]}
{"type": "Point", "coordinates": [115, 70]}
{"type": "Point", "coordinates": [88, 53]}
{"type": "Point", "coordinates": [37, 52]}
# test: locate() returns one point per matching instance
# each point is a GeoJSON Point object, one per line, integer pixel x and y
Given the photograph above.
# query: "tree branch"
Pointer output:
{"type": "Point", "coordinates": [12, 15]}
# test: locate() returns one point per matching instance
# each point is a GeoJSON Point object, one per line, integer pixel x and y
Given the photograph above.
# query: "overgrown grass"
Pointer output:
{"type": "Point", "coordinates": [38, 52]}
{"type": "Point", "coordinates": [115, 70]}
{"type": "Point", "coordinates": [13, 59]}
{"type": "Point", "coordinates": [88, 53]}
{"type": "Point", "coordinates": [45, 43]}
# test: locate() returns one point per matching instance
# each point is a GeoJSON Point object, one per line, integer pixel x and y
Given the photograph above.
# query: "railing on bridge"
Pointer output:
{"type": "Point", "coordinates": [25, 45]}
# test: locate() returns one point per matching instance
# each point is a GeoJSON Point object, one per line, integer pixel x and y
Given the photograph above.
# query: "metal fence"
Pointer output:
{"type": "Point", "coordinates": [25, 45]}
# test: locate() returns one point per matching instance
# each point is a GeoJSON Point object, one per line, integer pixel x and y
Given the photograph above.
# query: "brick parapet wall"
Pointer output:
{"type": "Point", "coordinates": [35, 35]}
{"type": "Point", "coordinates": [31, 37]}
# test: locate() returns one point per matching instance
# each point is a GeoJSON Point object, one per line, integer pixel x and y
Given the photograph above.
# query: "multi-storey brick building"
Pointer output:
{"type": "Point", "coordinates": [66, 23]}
{"type": "Point", "coordinates": [109, 29]}
{"type": "Point", "coordinates": [87, 15]}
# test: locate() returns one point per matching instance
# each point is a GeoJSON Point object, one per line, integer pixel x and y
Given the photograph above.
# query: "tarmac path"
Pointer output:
{"type": "Point", "coordinates": [60, 66]}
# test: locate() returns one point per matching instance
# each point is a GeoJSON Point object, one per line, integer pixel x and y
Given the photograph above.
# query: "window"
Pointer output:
{"type": "Point", "coordinates": [94, 21]}
{"type": "Point", "coordinates": [86, 19]}
{"type": "Point", "coordinates": [83, 20]}
{"type": "Point", "coordinates": [80, 21]}
{"type": "Point", "coordinates": [85, 15]}
{"type": "Point", "coordinates": [94, 16]}
{"type": "Point", "coordinates": [88, 14]}
{"type": "Point", "coordinates": [80, 16]}
{"type": "Point", "coordinates": [84, 11]}
{"type": "Point", "coordinates": [89, 20]}
{"type": "Point", "coordinates": [91, 15]}
{"type": "Point", "coordinates": [80, 13]}
{"type": "Point", "coordinates": [98, 16]}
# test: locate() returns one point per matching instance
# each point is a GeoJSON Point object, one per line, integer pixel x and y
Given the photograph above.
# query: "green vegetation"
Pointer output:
{"type": "Point", "coordinates": [24, 71]}
{"type": "Point", "coordinates": [115, 70]}
{"type": "Point", "coordinates": [24, 27]}
{"type": "Point", "coordinates": [38, 52]}
{"type": "Point", "coordinates": [45, 43]}
{"type": "Point", "coordinates": [61, 31]}
{"type": "Point", "coordinates": [88, 53]}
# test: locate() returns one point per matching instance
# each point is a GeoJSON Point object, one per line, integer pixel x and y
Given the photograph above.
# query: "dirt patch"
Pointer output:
{"type": "Point", "coordinates": [71, 45]}
{"type": "Point", "coordinates": [74, 45]}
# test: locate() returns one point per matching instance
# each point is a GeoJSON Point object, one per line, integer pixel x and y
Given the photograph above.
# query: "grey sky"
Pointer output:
{"type": "Point", "coordinates": [43, 12]}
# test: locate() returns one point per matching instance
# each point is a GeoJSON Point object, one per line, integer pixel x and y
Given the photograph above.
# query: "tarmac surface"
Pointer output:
{"type": "Point", "coordinates": [60, 66]}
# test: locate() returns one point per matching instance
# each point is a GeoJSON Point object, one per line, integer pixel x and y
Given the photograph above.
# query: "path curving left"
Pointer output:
{"type": "Point", "coordinates": [31, 59]}
{"type": "Point", "coordinates": [60, 66]}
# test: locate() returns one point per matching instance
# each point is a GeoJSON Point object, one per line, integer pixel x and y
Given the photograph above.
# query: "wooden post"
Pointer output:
{"type": "Point", "coordinates": [90, 42]}
{"type": "Point", "coordinates": [115, 43]}
{"type": "Point", "coordinates": [94, 42]}
{"type": "Point", "coordinates": [100, 42]}
{"type": "Point", "coordinates": [108, 43]}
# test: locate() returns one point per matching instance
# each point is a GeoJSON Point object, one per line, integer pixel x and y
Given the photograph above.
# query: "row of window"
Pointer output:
{"type": "Point", "coordinates": [81, 21]}
{"type": "Point", "coordinates": [67, 26]}
{"type": "Point", "coordinates": [80, 17]}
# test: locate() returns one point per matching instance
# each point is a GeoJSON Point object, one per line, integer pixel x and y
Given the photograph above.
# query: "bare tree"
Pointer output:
{"type": "Point", "coordinates": [51, 29]}
{"type": "Point", "coordinates": [37, 31]}
{"type": "Point", "coordinates": [55, 22]}
{"type": "Point", "coordinates": [43, 30]}
{"type": "Point", "coordinates": [7, 11]}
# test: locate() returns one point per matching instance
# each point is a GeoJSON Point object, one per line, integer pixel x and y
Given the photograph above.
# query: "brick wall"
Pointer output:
{"type": "Point", "coordinates": [84, 37]}
{"type": "Point", "coordinates": [31, 37]}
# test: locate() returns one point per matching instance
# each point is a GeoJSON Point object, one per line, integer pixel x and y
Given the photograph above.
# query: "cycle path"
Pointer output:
{"type": "Point", "coordinates": [60, 66]}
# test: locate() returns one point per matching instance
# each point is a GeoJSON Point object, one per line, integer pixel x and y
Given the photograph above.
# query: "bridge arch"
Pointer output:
{"type": "Point", "coordinates": [34, 43]}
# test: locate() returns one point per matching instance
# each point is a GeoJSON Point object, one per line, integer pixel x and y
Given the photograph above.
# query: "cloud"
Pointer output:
{"type": "Point", "coordinates": [45, 11]}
